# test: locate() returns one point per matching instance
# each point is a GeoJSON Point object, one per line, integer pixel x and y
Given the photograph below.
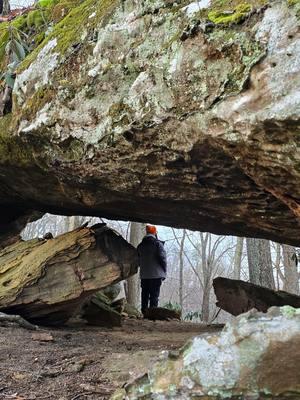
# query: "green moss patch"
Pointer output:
{"type": "Point", "coordinates": [239, 13]}
{"type": "Point", "coordinates": [36, 102]}
{"type": "Point", "coordinates": [69, 30]}
{"type": "Point", "coordinates": [33, 25]}
{"type": "Point", "coordinates": [293, 2]}
{"type": "Point", "coordinates": [296, 5]}
{"type": "Point", "coordinates": [229, 12]}
{"type": "Point", "coordinates": [11, 149]}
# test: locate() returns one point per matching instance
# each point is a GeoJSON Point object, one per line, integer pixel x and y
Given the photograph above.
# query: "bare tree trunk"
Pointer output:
{"type": "Point", "coordinates": [5, 7]}
{"type": "Point", "coordinates": [205, 239]}
{"type": "Point", "coordinates": [205, 301]}
{"type": "Point", "coordinates": [253, 260]}
{"type": "Point", "coordinates": [73, 222]}
{"type": "Point", "coordinates": [260, 262]}
{"type": "Point", "coordinates": [291, 278]}
{"type": "Point", "coordinates": [133, 284]}
{"type": "Point", "coordinates": [181, 264]}
{"type": "Point", "coordinates": [277, 265]}
{"type": "Point", "coordinates": [238, 258]}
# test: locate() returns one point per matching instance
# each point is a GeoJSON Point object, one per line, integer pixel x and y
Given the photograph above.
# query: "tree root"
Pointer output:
{"type": "Point", "coordinates": [18, 320]}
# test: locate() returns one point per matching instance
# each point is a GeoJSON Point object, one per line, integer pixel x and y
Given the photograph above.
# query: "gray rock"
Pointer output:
{"type": "Point", "coordinates": [255, 357]}
{"type": "Point", "coordinates": [145, 111]}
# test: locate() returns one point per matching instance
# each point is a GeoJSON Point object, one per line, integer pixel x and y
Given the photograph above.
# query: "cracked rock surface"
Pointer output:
{"type": "Point", "coordinates": [45, 281]}
{"type": "Point", "coordinates": [150, 112]}
{"type": "Point", "coordinates": [254, 357]}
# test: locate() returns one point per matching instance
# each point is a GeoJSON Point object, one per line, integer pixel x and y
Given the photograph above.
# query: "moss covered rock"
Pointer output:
{"type": "Point", "coordinates": [133, 109]}
{"type": "Point", "coordinates": [254, 357]}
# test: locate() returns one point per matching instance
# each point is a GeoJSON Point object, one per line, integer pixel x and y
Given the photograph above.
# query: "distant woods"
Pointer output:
{"type": "Point", "coordinates": [194, 260]}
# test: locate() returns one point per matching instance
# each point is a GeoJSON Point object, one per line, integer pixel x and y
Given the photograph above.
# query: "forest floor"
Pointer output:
{"type": "Point", "coordinates": [82, 362]}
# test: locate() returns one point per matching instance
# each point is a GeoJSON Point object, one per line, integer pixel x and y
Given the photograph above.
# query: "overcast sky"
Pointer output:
{"type": "Point", "coordinates": [20, 3]}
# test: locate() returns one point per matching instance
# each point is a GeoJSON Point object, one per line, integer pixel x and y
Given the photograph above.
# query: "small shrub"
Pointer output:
{"type": "Point", "coordinates": [172, 306]}
{"type": "Point", "coordinates": [193, 315]}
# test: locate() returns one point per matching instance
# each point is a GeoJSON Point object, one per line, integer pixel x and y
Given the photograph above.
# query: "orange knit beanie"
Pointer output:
{"type": "Point", "coordinates": [151, 229]}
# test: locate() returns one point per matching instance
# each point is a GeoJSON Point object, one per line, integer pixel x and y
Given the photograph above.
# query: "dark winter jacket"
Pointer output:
{"type": "Point", "coordinates": [152, 258]}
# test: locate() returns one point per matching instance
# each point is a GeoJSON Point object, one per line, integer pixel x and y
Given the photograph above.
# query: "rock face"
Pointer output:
{"type": "Point", "coordinates": [134, 109]}
{"type": "Point", "coordinates": [10, 232]}
{"type": "Point", "coordinates": [98, 313]}
{"type": "Point", "coordinates": [238, 297]}
{"type": "Point", "coordinates": [255, 357]}
{"type": "Point", "coordinates": [45, 281]}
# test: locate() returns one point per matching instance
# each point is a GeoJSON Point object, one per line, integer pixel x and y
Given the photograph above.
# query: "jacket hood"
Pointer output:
{"type": "Point", "coordinates": [151, 237]}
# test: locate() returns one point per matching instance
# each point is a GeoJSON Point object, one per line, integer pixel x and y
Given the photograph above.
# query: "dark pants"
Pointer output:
{"type": "Point", "coordinates": [150, 292]}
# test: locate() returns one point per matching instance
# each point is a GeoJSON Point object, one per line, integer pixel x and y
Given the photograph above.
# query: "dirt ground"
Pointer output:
{"type": "Point", "coordinates": [82, 362]}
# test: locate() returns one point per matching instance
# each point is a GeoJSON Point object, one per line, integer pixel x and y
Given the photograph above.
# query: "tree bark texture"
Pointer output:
{"type": "Point", "coordinates": [45, 281]}
{"type": "Point", "coordinates": [73, 222]}
{"type": "Point", "coordinates": [291, 276]}
{"type": "Point", "coordinates": [137, 232]}
{"type": "Point", "coordinates": [260, 262]}
{"type": "Point", "coordinates": [6, 7]}
{"type": "Point", "coordinates": [238, 258]}
{"type": "Point", "coordinates": [181, 266]}
{"type": "Point", "coordinates": [237, 297]}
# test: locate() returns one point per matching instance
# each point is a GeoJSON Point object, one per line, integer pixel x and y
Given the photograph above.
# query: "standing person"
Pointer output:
{"type": "Point", "coordinates": [153, 267]}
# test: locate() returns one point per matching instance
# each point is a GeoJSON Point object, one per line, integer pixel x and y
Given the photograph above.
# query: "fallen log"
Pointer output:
{"type": "Point", "coordinates": [237, 297]}
{"type": "Point", "coordinates": [45, 281]}
{"type": "Point", "coordinates": [16, 319]}
{"type": "Point", "coordinates": [161, 314]}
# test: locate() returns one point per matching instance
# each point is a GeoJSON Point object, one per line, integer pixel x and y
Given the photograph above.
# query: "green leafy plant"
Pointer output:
{"type": "Point", "coordinates": [193, 315]}
{"type": "Point", "coordinates": [14, 49]}
{"type": "Point", "coordinates": [19, 36]}
{"type": "Point", "coordinates": [172, 306]}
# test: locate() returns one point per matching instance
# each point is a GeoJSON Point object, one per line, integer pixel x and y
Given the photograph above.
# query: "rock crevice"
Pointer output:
{"type": "Point", "coordinates": [156, 107]}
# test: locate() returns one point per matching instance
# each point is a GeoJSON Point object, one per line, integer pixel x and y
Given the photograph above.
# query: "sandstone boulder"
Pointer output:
{"type": "Point", "coordinates": [136, 109]}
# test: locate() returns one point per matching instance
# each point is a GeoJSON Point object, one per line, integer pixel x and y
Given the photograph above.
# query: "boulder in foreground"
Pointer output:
{"type": "Point", "coordinates": [255, 357]}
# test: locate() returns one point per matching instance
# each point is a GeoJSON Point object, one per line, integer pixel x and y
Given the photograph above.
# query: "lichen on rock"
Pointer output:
{"type": "Point", "coordinates": [137, 100]}
{"type": "Point", "coordinates": [253, 357]}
